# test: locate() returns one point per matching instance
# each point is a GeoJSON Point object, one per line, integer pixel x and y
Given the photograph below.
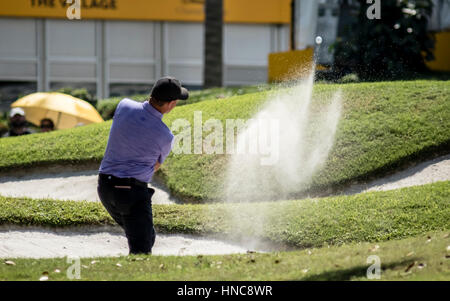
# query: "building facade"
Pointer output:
{"type": "Point", "coordinates": [123, 46]}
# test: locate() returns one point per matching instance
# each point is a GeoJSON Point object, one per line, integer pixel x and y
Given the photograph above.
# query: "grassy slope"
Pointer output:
{"type": "Point", "coordinates": [384, 125]}
{"type": "Point", "coordinates": [107, 106]}
{"type": "Point", "coordinates": [419, 258]}
{"type": "Point", "coordinates": [375, 216]}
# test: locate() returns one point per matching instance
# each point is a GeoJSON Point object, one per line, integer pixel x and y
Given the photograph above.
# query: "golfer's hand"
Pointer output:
{"type": "Point", "coordinates": [157, 165]}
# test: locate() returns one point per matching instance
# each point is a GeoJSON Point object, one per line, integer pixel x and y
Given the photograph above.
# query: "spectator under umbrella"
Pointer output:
{"type": "Point", "coordinates": [17, 123]}
{"type": "Point", "coordinates": [47, 125]}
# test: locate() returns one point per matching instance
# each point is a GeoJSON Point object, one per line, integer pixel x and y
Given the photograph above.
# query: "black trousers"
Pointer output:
{"type": "Point", "coordinates": [129, 204]}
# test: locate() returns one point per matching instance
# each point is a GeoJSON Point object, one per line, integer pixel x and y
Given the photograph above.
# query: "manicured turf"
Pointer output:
{"type": "Point", "coordinates": [384, 125]}
{"type": "Point", "coordinates": [367, 217]}
{"type": "Point", "coordinates": [106, 107]}
{"type": "Point", "coordinates": [425, 257]}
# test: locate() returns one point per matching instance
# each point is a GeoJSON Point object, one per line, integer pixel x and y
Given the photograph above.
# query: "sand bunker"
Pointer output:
{"type": "Point", "coordinates": [46, 243]}
{"type": "Point", "coordinates": [82, 185]}
{"type": "Point", "coordinates": [71, 185]}
{"type": "Point", "coordinates": [98, 242]}
{"type": "Point", "coordinates": [423, 173]}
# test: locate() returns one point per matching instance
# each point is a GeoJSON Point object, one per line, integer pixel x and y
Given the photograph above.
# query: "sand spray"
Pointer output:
{"type": "Point", "coordinates": [304, 136]}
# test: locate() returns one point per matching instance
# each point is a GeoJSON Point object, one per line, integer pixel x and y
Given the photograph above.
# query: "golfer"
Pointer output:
{"type": "Point", "coordinates": [138, 144]}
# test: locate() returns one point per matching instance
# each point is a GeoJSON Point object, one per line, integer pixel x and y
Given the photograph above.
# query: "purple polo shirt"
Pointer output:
{"type": "Point", "coordinates": [137, 140]}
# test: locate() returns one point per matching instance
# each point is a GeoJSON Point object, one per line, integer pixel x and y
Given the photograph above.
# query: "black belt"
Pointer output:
{"type": "Point", "coordinates": [121, 181]}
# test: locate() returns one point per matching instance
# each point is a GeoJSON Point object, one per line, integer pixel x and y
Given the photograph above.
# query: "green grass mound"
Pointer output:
{"type": "Point", "coordinates": [366, 217]}
{"type": "Point", "coordinates": [383, 126]}
{"type": "Point", "coordinates": [106, 107]}
{"type": "Point", "coordinates": [420, 258]}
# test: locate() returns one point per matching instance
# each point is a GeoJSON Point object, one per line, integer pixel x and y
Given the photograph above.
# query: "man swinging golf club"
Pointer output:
{"type": "Point", "coordinates": [138, 144]}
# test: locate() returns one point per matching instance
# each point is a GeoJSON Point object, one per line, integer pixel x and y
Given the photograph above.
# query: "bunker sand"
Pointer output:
{"type": "Point", "coordinates": [34, 242]}
{"type": "Point", "coordinates": [430, 171]}
{"type": "Point", "coordinates": [69, 185]}
{"type": "Point", "coordinates": [82, 185]}
{"type": "Point", "coordinates": [97, 242]}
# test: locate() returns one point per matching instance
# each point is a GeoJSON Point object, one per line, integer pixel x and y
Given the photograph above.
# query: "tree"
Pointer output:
{"type": "Point", "coordinates": [213, 58]}
{"type": "Point", "coordinates": [394, 46]}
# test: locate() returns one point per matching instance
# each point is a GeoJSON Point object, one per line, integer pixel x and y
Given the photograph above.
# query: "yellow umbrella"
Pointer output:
{"type": "Point", "coordinates": [66, 111]}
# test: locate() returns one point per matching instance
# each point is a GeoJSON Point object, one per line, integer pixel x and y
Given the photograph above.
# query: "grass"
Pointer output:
{"type": "Point", "coordinates": [366, 217]}
{"type": "Point", "coordinates": [424, 257]}
{"type": "Point", "coordinates": [106, 107]}
{"type": "Point", "coordinates": [384, 126]}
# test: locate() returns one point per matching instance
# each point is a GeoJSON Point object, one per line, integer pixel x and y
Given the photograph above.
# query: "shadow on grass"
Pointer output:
{"type": "Point", "coordinates": [356, 272]}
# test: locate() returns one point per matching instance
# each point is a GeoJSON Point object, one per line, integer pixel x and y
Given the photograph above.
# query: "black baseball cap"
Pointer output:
{"type": "Point", "coordinates": [168, 89]}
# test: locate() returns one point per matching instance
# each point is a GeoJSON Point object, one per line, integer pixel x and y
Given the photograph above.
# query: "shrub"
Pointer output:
{"type": "Point", "coordinates": [349, 78]}
{"type": "Point", "coordinates": [107, 107]}
{"type": "Point", "coordinates": [79, 93]}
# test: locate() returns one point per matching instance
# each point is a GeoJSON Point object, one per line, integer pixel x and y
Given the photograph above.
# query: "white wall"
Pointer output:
{"type": "Point", "coordinates": [440, 19]}
{"type": "Point", "coordinates": [132, 52]}
{"type": "Point", "coordinates": [183, 52]}
{"type": "Point", "coordinates": [327, 26]}
{"type": "Point", "coordinates": [246, 49]}
{"type": "Point", "coordinates": [71, 51]}
{"type": "Point", "coordinates": [18, 49]}
{"type": "Point", "coordinates": [305, 23]}
{"type": "Point", "coordinates": [129, 52]}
